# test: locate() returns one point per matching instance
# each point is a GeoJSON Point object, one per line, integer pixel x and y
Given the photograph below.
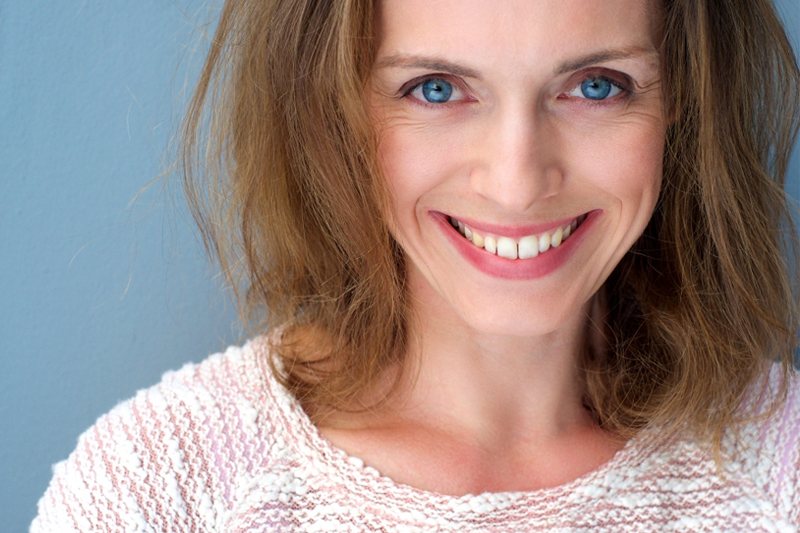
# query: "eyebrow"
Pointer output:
{"type": "Point", "coordinates": [602, 57]}
{"type": "Point", "coordinates": [428, 63]}
{"type": "Point", "coordinates": [442, 65]}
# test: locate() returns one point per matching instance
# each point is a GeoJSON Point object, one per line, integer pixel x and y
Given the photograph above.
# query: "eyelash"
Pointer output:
{"type": "Point", "coordinates": [624, 86]}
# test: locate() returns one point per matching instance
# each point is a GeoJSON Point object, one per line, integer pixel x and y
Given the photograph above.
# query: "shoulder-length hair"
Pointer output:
{"type": "Point", "coordinates": [279, 160]}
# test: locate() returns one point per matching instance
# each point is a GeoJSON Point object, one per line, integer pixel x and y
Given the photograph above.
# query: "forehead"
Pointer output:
{"type": "Point", "coordinates": [517, 33]}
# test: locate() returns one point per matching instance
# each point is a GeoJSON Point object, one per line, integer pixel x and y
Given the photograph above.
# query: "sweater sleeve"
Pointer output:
{"type": "Point", "coordinates": [787, 477]}
{"type": "Point", "coordinates": [136, 470]}
{"type": "Point", "coordinates": [772, 453]}
{"type": "Point", "coordinates": [101, 486]}
{"type": "Point", "coordinates": [170, 459]}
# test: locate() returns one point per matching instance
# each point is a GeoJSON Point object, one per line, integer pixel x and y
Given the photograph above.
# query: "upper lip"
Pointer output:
{"type": "Point", "coordinates": [515, 231]}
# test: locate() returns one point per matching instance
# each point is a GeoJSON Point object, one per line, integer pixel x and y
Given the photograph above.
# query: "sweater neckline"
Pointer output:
{"type": "Point", "coordinates": [322, 455]}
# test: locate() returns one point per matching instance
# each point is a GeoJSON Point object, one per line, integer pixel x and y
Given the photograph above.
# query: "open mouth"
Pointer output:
{"type": "Point", "coordinates": [526, 247]}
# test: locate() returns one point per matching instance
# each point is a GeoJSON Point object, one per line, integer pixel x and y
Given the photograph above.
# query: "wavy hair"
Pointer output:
{"type": "Point", "coordinates": [280, 169]}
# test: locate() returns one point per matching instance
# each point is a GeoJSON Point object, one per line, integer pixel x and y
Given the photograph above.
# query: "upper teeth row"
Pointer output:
{"type": "Point", "coordinates": [527, 247]}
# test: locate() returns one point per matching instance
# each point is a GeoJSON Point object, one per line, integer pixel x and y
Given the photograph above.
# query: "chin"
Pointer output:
{"type": "Point", "coordinates": [514, 320]}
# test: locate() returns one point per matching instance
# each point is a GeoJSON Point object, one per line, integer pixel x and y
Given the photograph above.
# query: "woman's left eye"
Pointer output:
{"type": "Point", "coordinates": [596, 88]}
{"type": "Point", "coordinates": [436, 91]}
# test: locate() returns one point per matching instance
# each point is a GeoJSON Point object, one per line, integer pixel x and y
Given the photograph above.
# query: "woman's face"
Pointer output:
{"type": "Point", "coordinates": [522, 141]}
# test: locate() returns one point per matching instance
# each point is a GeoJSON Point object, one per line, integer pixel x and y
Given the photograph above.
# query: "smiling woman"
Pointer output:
{"type": "Point", "coordinates": [516, 266]}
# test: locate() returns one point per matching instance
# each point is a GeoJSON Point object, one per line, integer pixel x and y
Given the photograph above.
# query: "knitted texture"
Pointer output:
{"type": "Point", "coordinates": [222, 447]}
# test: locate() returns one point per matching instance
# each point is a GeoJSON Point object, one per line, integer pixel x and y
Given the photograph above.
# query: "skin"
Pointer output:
{"type": "Point", "coordinates": [491, 397]}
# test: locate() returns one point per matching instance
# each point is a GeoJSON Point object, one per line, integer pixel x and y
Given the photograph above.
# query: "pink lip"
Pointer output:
{"type": "Point", "coordinates": [517, 269]}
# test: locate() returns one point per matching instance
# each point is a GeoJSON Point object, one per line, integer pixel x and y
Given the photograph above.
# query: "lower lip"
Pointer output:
{"type": "Point", "coordinates": [500, 267]}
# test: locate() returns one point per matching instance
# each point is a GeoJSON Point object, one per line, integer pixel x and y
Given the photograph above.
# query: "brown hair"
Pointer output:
{"type": "Point", "coordinates": [280, 169]}
{"type": "Point", "coordinates": [706, 299]}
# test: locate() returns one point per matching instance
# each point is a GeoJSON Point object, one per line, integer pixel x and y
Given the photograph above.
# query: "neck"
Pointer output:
{"type": "Point", "coordinates": [494, 386]}
{"type": "Point", "coordinates": [476, 412]}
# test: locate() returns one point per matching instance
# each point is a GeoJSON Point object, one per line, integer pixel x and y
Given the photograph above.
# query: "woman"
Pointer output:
{"type": "Point", "coordinates": [524, 268]}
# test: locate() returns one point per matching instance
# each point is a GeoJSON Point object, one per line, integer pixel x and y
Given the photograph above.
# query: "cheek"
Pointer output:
{"type": "Point", "coordinates": [403, 170]}
{"type": "Point", "coordinates": [415, 160]}
{"type": "Point", "coordinates": [641, 164]}
{"type": "Point", "coordinates": [627, 165]}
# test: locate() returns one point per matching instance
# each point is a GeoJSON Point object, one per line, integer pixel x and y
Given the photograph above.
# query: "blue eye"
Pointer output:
{"type": "Point", "coordinates": [437, 91]}
{"type": "Point", "coordinates": [596, 89]}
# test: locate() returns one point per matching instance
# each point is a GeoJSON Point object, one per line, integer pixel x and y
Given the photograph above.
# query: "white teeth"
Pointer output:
{"type": "Point", "coordinates": [528, 247]}
{"type": "Point", "coordinates": [555, 240]}
{"type": "Point", "coordinates": [490, 245]}
{"type": "Point", "coordinates": [544, 242]}
{"type": "Point", "coordinates": [506, 248]}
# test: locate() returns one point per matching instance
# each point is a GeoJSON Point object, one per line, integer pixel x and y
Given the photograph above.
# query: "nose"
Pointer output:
{"type": "Point", "coordinates": [519, 161]}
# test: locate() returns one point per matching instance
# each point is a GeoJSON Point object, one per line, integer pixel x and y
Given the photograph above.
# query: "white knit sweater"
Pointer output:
{"type": "Point", "coordinates": [222, 447]}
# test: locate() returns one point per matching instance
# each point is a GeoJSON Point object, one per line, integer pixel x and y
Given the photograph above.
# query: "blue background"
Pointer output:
{"type": "Point", "coordinates": [103, 285]}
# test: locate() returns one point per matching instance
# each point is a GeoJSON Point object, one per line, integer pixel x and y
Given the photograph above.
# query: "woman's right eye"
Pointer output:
{"type": "Point", "coordinates": [436, 91]}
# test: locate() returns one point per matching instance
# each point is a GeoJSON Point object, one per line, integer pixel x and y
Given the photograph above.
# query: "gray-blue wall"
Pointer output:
{"type": "Point", "coordinates": [100, 292]}
{"type": "Point", "coordinates": [790, 10]}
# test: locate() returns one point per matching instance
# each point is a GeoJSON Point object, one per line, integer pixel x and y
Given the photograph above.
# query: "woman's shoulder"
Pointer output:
{"type": "Point", "coordinates": [176, 453]}
{"type": "Point", "coordinates": [766, 450]}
